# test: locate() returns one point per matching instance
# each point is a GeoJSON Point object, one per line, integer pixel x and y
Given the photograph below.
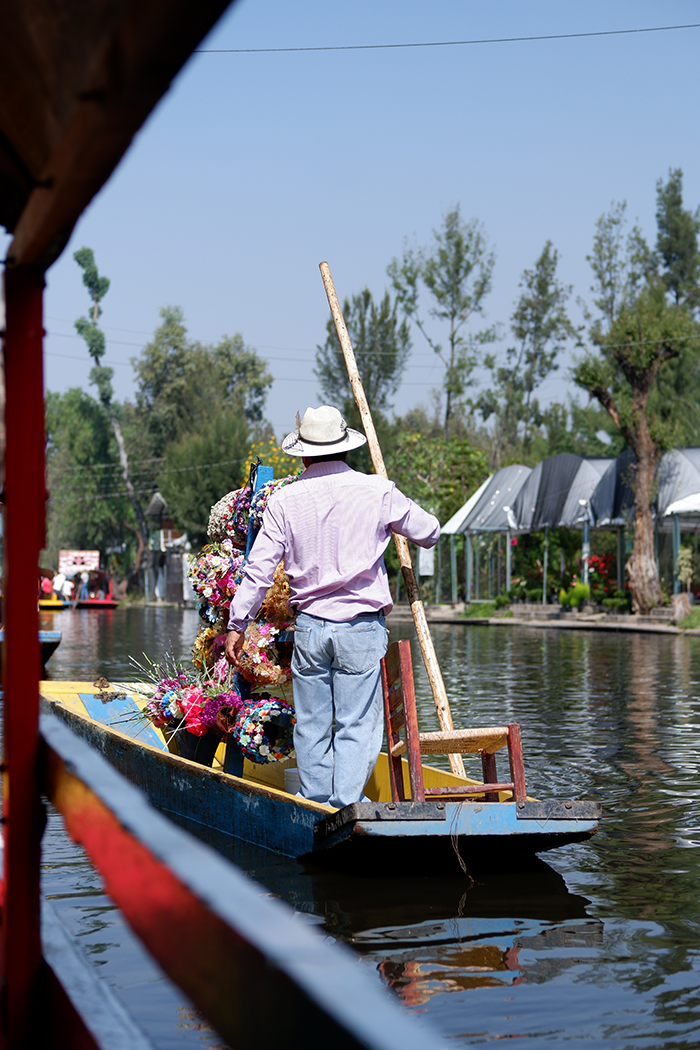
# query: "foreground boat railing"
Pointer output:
{"type": "Point", "coordinates": [240, 957]}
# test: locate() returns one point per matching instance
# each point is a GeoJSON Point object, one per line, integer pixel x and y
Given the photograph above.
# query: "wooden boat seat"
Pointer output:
{"type": "Point", "coordinates": [404, 738]}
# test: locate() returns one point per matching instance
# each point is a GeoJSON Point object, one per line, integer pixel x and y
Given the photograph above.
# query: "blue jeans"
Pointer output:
{"type": "Point", "coordinates": [337, 679]}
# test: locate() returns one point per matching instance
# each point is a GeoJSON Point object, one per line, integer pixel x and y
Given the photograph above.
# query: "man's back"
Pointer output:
{"type": "Point", "coordinates": [335, 524]}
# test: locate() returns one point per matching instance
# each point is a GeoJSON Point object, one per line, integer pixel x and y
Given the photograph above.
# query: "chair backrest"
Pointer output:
{"type": "Point", "coordinates": [400, 714]}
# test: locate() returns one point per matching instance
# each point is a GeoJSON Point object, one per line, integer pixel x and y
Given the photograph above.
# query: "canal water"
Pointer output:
{"type": "Point", "coordinates": [598, 944]}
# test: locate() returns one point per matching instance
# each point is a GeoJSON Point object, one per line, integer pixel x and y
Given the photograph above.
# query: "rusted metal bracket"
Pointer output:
{"type": "Point", "coordinates": [366, 811]}
{"type": "Point", "coordinates": [568, 810]}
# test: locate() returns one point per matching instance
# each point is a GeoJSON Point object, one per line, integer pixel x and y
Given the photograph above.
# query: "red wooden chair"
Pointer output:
{"type": "Point", "coordinates": [404, 738]}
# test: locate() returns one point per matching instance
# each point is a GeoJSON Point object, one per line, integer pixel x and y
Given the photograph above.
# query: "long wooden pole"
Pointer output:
{"type": "Point", "coordinates": [437, 685]}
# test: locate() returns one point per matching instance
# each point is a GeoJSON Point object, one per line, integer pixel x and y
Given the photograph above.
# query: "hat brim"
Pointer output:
{"type": "Point", "coordinates": [294, 445]}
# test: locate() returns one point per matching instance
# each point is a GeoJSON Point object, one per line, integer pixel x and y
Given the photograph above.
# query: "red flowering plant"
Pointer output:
{"type": "Point", "coordinates": [181, 699]}
{"type": "Point", "coordinates": [600, 569]}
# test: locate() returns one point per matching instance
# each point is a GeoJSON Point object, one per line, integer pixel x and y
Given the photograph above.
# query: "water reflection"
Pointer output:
{"type": "Point", "coordinates": [601, 944]}
{"type": "Point", "coordinates": [428, 936]}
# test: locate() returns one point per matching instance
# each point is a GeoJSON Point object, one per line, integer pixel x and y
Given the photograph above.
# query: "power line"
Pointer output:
{"type": "Point", "coordinates": [109, 466]}
{"type": "Point", "coordinates": [148, 491]}
{"type": "Point", "coordinates": [74, 335]}
{"type": "Point", "coordinates": [440, 43]}
{"type": "Point", "coordinates": [169, 470]}
{"type": "Point", "coordinates": [309, 350]}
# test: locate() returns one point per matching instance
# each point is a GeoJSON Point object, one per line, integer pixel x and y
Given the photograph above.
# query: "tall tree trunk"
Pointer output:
{"type": "Point", "coordinates": [132, 576]}
{"type": "Point", "coordinates": [142, 530]}
{"type": "Point", "coordinates": [124, 461]}
{"type": "Point", "coordinates": [641, 569]}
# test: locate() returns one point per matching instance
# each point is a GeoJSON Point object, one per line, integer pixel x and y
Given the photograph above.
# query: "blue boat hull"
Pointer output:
{"type": "Point", "coordinates": [366, 836]}
{"type": "Point", "coordinates": [48, 640]}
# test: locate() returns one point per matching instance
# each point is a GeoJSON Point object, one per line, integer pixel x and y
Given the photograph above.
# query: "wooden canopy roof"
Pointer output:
{"type": "Point", "coordinates": [77, 80]}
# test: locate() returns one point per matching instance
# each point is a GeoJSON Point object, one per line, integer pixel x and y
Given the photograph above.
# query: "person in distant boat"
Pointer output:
{"type": "Point", "coordinates": [58, 581]}
{"type": "Point", "coordinates": [84, 580]}
{"type": "Point", "coordinates": [331, 527]}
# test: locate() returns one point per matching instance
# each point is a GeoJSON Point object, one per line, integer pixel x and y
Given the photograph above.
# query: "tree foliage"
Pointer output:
{"type": "Point", "coordinates": [438, 473]}
{"type": "Point", "coordinates": [381, 345]}
{"type": "Point", "coordinates": [677, 241]}
{"type": "Point", "coordinates": [454, 275]}
{"type": "Point", "coordinates": [88, 504]}
{"type": "Point", "coordinates": [101, 377]}
{"type": "Point", "coordinates": [180, 384]}
{"type": "Point", "coordinates": [87, 327]}
{"type": "Point", "coordinates": [541, 327]}
{"type": "Point", "coordinates": [202, 466]}
{"type": "Point", "coordinates": [637, 334]}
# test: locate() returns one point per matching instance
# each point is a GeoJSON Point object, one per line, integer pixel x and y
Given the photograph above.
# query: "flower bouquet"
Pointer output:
{"type": "Point", "coordinates": [183, 700]}
{"type": "Point", "coordinates": [265, 661]}
{"type": "Point", "coordinates": [228, 519]}
{"type": "Point", "coordinates": [215, 573]}
{"type": "Point", "coordinates": [264, 729]}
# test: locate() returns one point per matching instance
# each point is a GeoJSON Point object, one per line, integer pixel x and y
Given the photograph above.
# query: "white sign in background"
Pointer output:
{"type": "Point", "coordinates": [71, 562]}
{"type": "Point", "coordinates": [426, 561]}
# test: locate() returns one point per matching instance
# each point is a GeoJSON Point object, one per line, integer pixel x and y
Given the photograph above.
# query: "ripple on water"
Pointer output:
{"type": "Point", "coordinates": [598, 945]}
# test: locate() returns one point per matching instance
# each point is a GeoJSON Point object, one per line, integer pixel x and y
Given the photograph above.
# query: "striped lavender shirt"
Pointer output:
{"type": "Point", "coordinates": [332, 527]}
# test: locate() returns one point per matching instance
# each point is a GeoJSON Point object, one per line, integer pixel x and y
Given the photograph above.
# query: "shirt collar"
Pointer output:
{"type": "Point", "coordinates": [323, 470]}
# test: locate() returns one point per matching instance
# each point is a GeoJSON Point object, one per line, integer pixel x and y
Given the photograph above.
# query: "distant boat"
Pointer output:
{"type": "Point", "coordinates": [107, 602]}
{"type": "Point", "coordinates": [53, 603]}
{"type": "Point", "coordinates": [94, 603]}
{"type": "Point", "coordinates": [49, 641]}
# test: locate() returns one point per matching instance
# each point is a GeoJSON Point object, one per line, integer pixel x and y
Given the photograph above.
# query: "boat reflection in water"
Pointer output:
{"type": "Point", "coordinates": [430, 936]}
{"type": "Point", "coordinates": [483, 945]}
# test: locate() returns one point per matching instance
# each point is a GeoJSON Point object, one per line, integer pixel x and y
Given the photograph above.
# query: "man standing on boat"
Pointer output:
{"type": "Point", "coordinates": [332, 528]}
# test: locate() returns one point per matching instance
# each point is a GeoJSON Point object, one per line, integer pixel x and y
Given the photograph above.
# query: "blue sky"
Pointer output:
{"type": "Point", "coordinates": [256, 167]}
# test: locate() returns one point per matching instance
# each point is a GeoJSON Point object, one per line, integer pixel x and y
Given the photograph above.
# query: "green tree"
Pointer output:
{"type": "Point", "coordinates": [677, 240]}
{"type": "Point", "coordinates": [677, 390]}
{"type": "Point", "coordinates": [636, 336]}
{"type": "Point", "coordinates": [381, 345]}
{"type": "Point", "coordinates": [438, 473]}
{"type": "Point", "coordinates": [197, 409]}
{"type": "Point", "coordinates": [102, 376]}
{"type": "Point", "coordinates": [576, 428]}
{"type": "Point", "coordinates": [202, 466]}
{"type": "Point", "coordinates": [541, 327]}
{"type": "Point", "coordinates": [88, 507]}
{"type": "Point", "coordinates": [454, 273]}
{"type": "Point", "coordinates": [180, 383]}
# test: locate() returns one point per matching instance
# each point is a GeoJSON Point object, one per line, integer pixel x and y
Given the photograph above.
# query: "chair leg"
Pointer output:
{"type": "Point", "coordinates": [488, 768]}
{"type": "Point", "coordinates": [415, 766]}
{"type": "Point", "coordinates": [395, 767]}
{"type": "Point", "coordinates": [517, 768]}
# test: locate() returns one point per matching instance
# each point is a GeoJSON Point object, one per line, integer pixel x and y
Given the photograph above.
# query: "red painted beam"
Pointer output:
{"type": "Point", "coordinates": [255, 973]}
{"type": "Point", "coordinates": [25, 501]}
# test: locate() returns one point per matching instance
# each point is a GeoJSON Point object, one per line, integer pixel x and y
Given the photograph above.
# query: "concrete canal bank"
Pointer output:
{"type": "Point", "coordinates": [547, 618]}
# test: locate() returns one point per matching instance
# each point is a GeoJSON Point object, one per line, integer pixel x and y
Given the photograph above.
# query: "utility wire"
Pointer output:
{"type": "Point", "coordinates": [309, 350]}
{"type": "Point", "coordinates": [143, 492]}
{"type": "Point", "coordinates": [439, 43]}
{"type": "Point", "coordinates": [170, 470]}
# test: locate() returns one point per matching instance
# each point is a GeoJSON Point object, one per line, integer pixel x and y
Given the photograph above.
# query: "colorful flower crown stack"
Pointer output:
{"type": "Point", "coordinates": [207, 697]}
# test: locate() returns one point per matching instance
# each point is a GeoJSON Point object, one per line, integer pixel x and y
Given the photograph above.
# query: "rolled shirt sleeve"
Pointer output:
{"type": "Point", "coordinates": [409, 520]}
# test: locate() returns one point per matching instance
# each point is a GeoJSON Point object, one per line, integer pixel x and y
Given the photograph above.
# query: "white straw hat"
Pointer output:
{"type": "Point", "coordinates": [321, 432]}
